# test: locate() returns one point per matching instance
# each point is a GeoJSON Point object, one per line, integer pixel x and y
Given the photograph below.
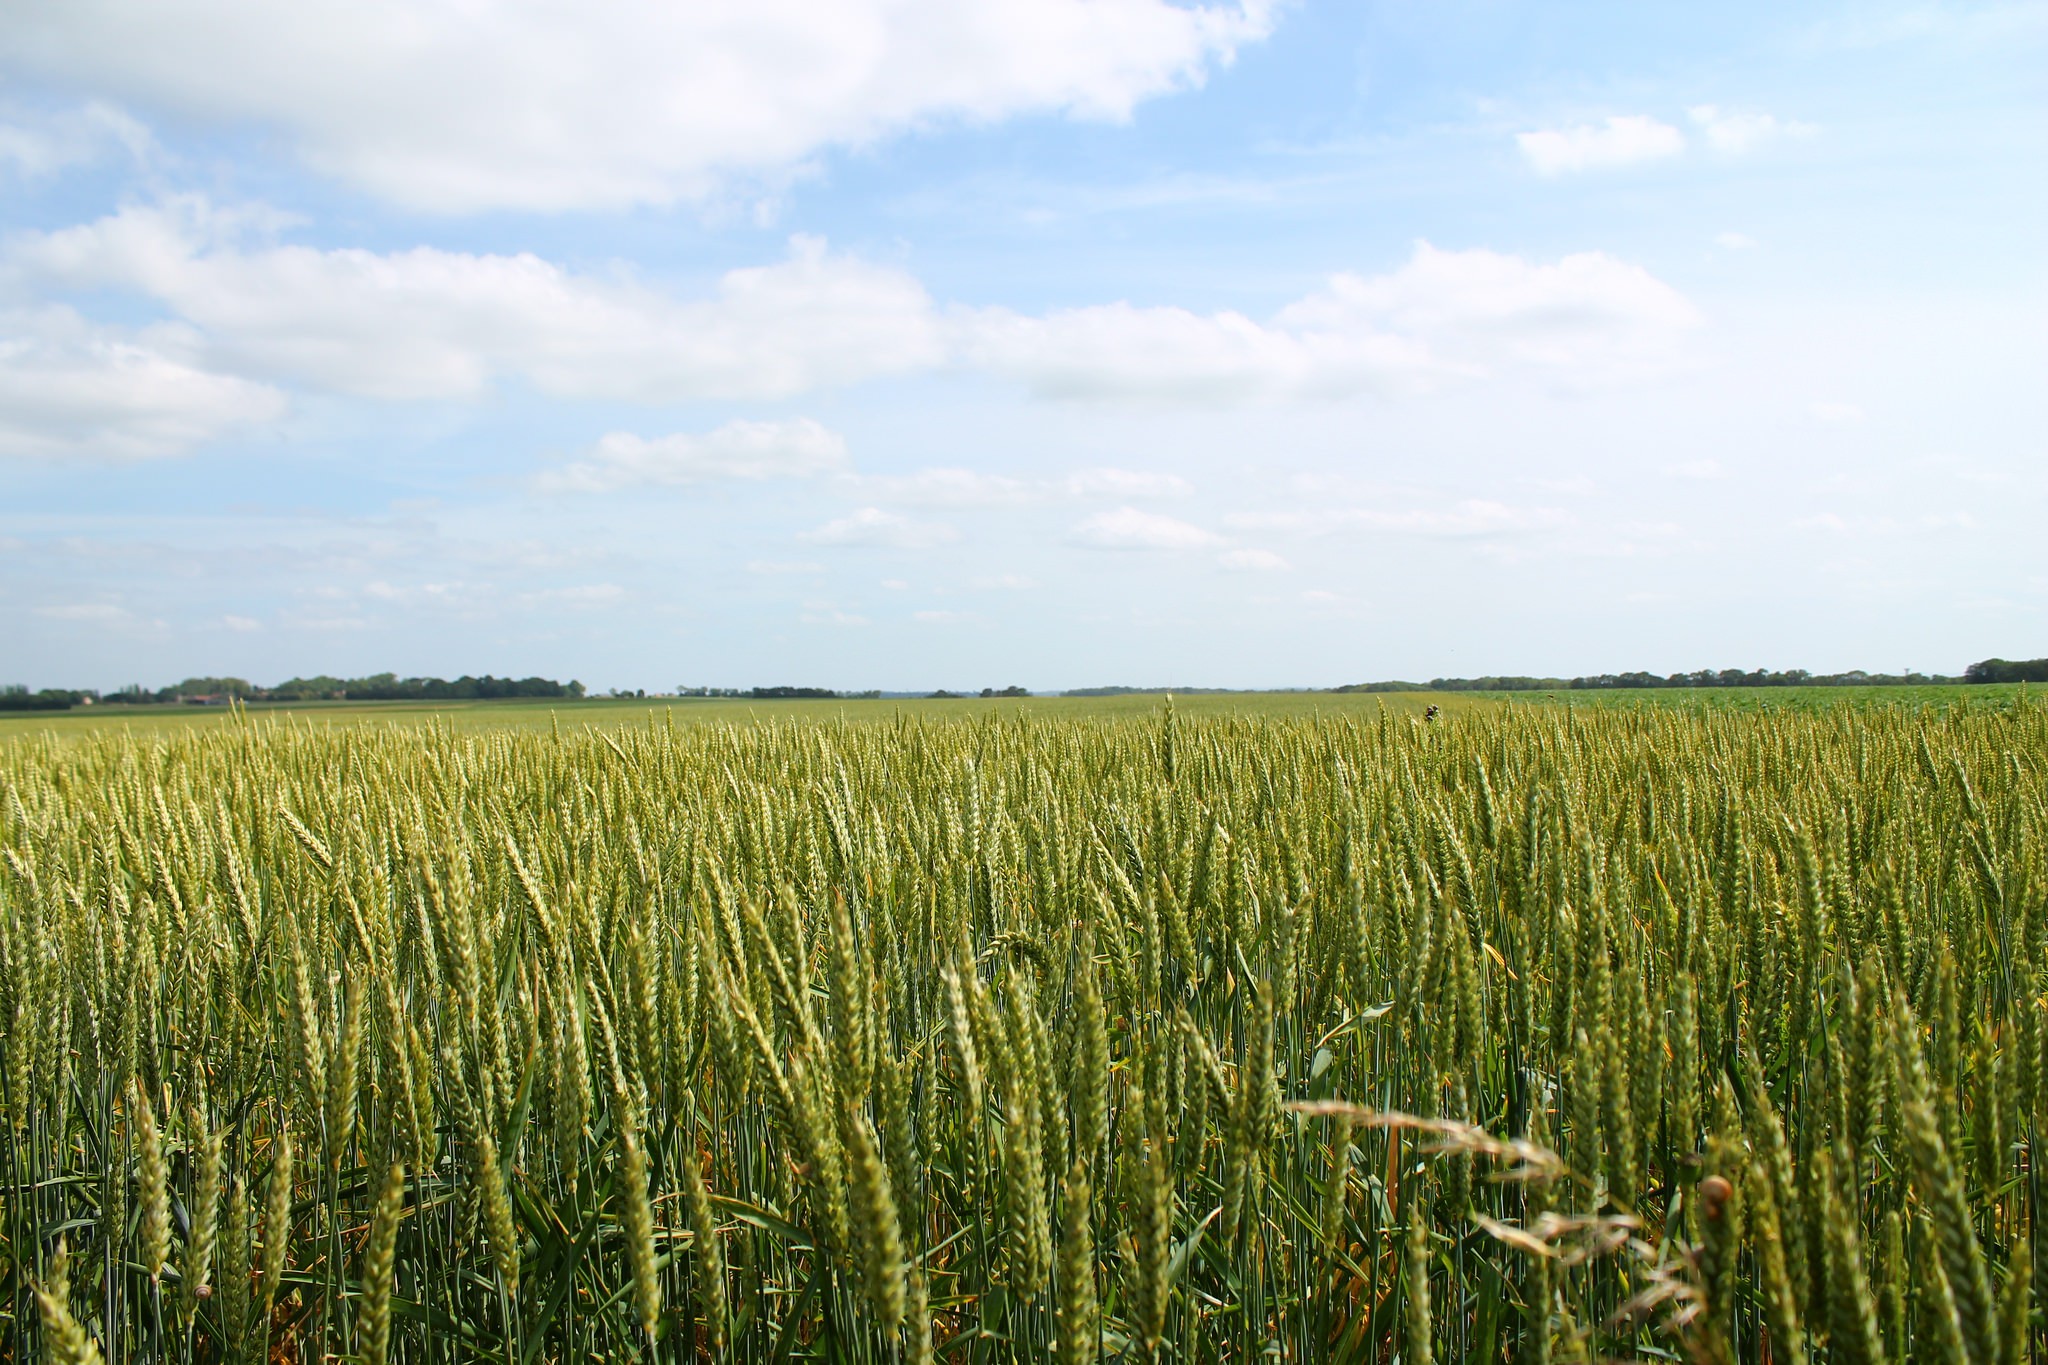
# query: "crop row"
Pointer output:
{"type": "Point", "coordinates": [1526, 1034]}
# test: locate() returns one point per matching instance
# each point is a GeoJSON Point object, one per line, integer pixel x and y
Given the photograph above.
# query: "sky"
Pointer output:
{"type": "Point", "coordinates": [908, 344]}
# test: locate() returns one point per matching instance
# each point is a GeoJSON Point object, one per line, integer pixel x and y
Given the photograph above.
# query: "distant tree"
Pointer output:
{"type": "Point", "coordinates": [207, 687]}
{"type": "Point", "coordinates": [2005, 671]}
{"type": "Point", "coordinates": [19, 698]}
{"type": "Point", "coordinates": [1703, 677]}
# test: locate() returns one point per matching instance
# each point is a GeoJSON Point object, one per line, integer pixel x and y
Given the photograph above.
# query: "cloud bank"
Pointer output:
{"type": "Point", "coordinates": [1622, 140]}
{"type": "Point", "coordinates": [250, 311]}
{"type": "Point", "coordinates": [70, 387]}
{"type": "Point", "coordinates": [794, 449]}
{"type": "Point", "coordinates": [605, 104]}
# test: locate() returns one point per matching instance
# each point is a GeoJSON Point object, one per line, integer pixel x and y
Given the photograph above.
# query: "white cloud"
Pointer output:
{"type": "Point", "coordinates": [1470, 519]}
{"type": "Point", "coordinates": [945, 618]}
{"type": "Point", "coordinates": [242, 625]}
{"type": "Point", "coordinates": [1624, 139]}
{"type": "Point", "coordinates": [1835, 412]}
{"type": "Point", "coordinates": [1588, 318]}
{"type": "Point", "coordinates": [456, 598]}
{"type": "Point", "coordinates": [780, 566]}
{"type": "Point", "coordinates": [947, 487]}
{"type": "Point", "coordinates": [1008, 582]}
{"type": "Point", "coordinates": [109, 617]}
{"type": "Point", "coordinates": [795, 449]}
{"type": "Point", "coordinates": [1735, 241]}
{"type": "Point", "coordinates": [1698, 469]}
{"type": "Point", "coordinates": [103, 613]}
{"type": "Point", "coordinates": [554, 104]}
{"type": "Point", "coordinates": [1333, 605]}
{"type": "Point", "coordinates": [578, 594]}
{"type": "Point", "coordinates": [69, 387]}
{"type": "Point", "coordinates": [1253, 561]}
{"type": "Point", "coordinates": [1732, 132]}
{"type": "Point", "coordinates": [1121, 351]}
{"type": "Point", "coordinates": [325, 624]}
{"type": "Point", "coordinates": [427, 323]}
{"type": "Point", "coordinates": [832, 616]}
{"type": "Point", "coordinates": [1125, 484]}
{"type": "Point", "coordinates": [36, 146]}
{"type": "Point", "coordinates": [1127, 528]}
{"type": "Point", "coordinates": [871, 526]}
{"type": "Point", "coordinates": [1588, 313]}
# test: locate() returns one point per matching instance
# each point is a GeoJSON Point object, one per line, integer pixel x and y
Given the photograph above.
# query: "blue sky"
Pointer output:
{"type": "Point", "coordinates": [917, 343]}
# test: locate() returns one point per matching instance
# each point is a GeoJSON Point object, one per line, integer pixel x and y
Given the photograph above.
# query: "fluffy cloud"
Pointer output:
{"type": "Point", "coordinates": [70, 387]}
{"type": "Point", "coordinates": [1698, 469]}
{"type": "Point", "coordinates": [1253, 561]}
{"type": "Point", "coordinates": [1733, 132]}
{"type": "Point", "coordinates": [1121, 351]}
{"type": "Point", "coordinates": [1444, 314]}
{"type": "Point", "coordinates": [1124, 483]}
{"type": "Point", "coordinates": [580, 594]}
{"type": "Point", "coordinates": [738, 450]}
{"type": "Point", "coordinates": [1127, 528]}
{"type": "Point", "coordinates": [102, 613]}
{"type": "Point", "coordinates": [871, 526]}
{"type": "Point", "coordinates": [1472, 519]}
{"type": "Point", "coordinates": [1622, 140]}
{"type": "Point", "coordinates": [946, 487]}
{"type": "Point", "coordinates": [1481, 309]}
{"type": "Point", "coordinates": [551, 104]}
{"type": "Point", "coordinates": [107, 617]}
{"type": "Point", "coordinates": [427, 323]}
{"type": "Point", "coordinates": [37, 146]}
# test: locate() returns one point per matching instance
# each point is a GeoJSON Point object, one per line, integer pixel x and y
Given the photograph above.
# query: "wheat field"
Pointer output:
{"type": "Point", "coordinates": [1524, 1034]}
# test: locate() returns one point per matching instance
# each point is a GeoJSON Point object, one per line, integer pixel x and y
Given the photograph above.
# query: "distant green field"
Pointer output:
{"type": "Point", "coordinates": [721, 711]}
{"type": "Point", "coordinates": [735, 711]}
{"type": "Point", "coordinates": [1757, 698]}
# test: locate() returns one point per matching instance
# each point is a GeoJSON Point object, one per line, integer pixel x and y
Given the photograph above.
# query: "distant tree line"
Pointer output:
{"type": "Point", "coordinates": [2004, 671]}
{"type": "Point", "coordinates": [192, 689]}
{"type": "Point", "coordinates": [390, 687]}
{"type": "Point", "coordinates": [1190, 691]}
{"type": "Point", "coordinates": [800, 694]}
{"type": "Point", "coordinates": [376, 687]}
{"type": "Point", "coordinates": [18, 698]}
{"type": "Point", "coordinates": [1705, 677]}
